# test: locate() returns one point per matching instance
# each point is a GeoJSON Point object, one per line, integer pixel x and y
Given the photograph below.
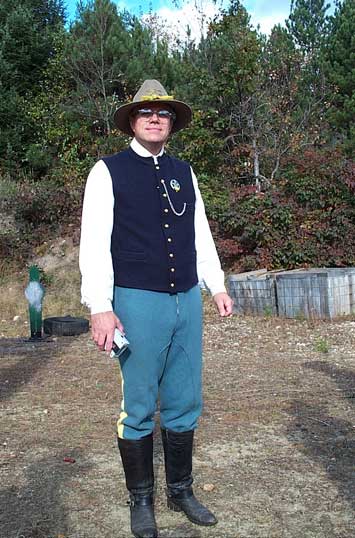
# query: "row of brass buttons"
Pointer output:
{"type": "Point", "coordinates": [169, 239]}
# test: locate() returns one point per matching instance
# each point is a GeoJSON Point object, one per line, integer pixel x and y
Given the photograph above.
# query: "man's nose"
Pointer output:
{"type": "Point", "coordinates": [155, 116]}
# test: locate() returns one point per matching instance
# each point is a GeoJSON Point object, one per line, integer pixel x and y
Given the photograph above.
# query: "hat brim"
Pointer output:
{"type": "Point", "coordinates": [182, 110]}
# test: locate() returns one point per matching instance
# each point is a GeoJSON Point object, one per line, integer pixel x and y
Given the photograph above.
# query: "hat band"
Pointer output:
{"type": "Point", "coordinates": [154, 97]}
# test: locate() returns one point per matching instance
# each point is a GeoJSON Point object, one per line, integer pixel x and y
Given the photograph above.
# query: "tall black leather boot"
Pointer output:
{"type": "Point", "coordinates": [137, 459]}
{"type": "Point", "coordinates": [178, 469]}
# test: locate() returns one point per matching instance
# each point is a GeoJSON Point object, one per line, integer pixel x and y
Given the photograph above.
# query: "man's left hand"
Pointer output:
{"type": "Point", "coordinates": [224, 304]}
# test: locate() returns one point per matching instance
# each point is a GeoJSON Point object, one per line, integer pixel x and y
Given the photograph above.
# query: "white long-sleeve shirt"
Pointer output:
{"type": "Point", "coordinates": [95, 245]}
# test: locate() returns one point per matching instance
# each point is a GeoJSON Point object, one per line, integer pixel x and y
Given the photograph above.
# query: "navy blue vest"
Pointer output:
{"type": "Point", "coordinates": [152, 248]}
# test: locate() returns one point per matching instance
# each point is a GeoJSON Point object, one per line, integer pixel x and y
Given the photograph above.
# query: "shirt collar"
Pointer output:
{"type": "Point", "coordinates": [142, 151]}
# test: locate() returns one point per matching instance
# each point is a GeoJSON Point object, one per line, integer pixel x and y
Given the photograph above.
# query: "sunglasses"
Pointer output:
{"type": "Point", "coordinates": [147, 114]}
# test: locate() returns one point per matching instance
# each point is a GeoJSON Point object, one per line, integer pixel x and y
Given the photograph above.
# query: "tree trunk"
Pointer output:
{"type": "Point", "coordinates": [256, 165]}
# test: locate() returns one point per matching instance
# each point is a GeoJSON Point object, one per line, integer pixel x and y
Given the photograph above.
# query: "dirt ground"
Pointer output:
{"type": "Point", "coordinates": [274, 454]}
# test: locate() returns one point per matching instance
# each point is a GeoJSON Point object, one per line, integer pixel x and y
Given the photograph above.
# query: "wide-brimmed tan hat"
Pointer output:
{"type": "Point", "coordinates": [153, 91]}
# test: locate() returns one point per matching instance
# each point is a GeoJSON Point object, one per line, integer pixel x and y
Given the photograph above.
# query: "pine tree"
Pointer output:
{"type": "Point", "coordinates": [27, 34]}
{"type": "Point", "coordinates": [307, 23]}
{"type": "Point", "coordinates": [340, 69]}
{"type": "Point", "coordinates": [26, 40]}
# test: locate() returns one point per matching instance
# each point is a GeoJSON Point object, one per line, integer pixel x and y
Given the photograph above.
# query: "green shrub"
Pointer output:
{"type": "Point", "coordinates": [38, 159]}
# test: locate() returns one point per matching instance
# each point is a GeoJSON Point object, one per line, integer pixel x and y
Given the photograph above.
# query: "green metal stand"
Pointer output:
{"type": "Point", "coordinates": [34, 294]}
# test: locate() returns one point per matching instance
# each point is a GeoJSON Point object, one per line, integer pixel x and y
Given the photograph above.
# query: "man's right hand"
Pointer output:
{"type": "Point", "coordinates": [103, 326]}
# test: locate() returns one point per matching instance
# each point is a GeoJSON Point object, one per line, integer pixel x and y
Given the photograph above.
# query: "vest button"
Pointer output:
{"type": "Point", "coordinates": [165, 195]}
{"type": "Point", "coordinates": [172, 270]}
{"type": "Point", "coordinates": [169, 240]}
{"type": "Point", "coordinates": [171, 255]}
{"type": "Point", "coordinates": [166, 225]}
{"type": "Point", "coordinates": [166, 210]}
{"type": "Point", "coordinates": [172, 285]}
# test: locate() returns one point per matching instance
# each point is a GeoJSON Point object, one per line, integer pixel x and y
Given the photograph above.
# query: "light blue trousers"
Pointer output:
{"type": "Point", "coordinates": [163, 361]}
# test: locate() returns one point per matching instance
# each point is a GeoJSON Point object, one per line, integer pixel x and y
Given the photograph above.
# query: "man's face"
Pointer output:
{"type": "Point", "coordinates": [154, 129]}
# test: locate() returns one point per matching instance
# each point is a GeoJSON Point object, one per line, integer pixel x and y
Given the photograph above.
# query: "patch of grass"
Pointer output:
{"type": "Point", "coordinates": [322, 345]}
{"type": "Point", "coordinates": [8, 189]}
{"type": "Point", "coordinates": [46, 279]}
{"type": "Point", "coordinates": [268, 311]}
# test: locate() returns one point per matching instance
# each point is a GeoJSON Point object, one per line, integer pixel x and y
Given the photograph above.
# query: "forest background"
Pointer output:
{"type": "Point", "coordinates": [271, 141]}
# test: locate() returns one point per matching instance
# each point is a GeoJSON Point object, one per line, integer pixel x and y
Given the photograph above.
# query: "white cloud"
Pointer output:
{"type": "Point", "coordinates": [267, 22]}
{"type": "Point", "coordinates": [196, 14]}
{"type": "Point", "coordinates": [267, 13]}
{"type": "Point", "coordinates": [188, 18]}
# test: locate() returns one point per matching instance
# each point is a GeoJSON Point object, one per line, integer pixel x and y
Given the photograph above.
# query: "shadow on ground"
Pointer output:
{"type": "Point", "coordinates": [28, 357]}
{"type": "Point", "coordinates": [326, 439]}
{"type": "Point", "coordinates": [37, 507]}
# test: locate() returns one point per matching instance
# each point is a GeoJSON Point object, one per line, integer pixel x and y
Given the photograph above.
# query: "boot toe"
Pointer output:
{"type": "Point", "coordinates": [145, 533]}
{"type": "Point", "coordinates": [193, 509]}
{"type": "Point", "coordinates": [143, 522]}
{"type": "Point", "coordinates": [208, 518]}
{"type": "Point", "coordinates": [200, 515]}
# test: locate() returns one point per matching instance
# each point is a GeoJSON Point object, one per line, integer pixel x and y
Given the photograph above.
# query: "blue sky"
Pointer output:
{"type": "Point", "coordinates": [266, 13]}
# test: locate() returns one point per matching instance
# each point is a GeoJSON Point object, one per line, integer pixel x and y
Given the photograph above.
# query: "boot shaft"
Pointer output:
{"type": "Point", "coordinates": [178, 458]}
{"type": "Point", "coordinates": [137, 460]}
{"type": "Point", "coordinates": [178, 468]}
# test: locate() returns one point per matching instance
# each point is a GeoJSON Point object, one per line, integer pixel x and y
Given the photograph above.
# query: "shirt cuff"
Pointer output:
{"type": "Point", "coordinates": [220, 289]}
{"type": "Point", "coordinates": [216, 286]}
{"type": "Point", "coordinates": [97, 307]}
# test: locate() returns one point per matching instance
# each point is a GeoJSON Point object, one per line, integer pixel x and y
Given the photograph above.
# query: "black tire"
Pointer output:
{"type": "Point", "coordinates": [65, 326]}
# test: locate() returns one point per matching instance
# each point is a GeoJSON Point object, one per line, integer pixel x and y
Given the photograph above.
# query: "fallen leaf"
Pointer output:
{"type": "Point", "coordinates": [68, 460]}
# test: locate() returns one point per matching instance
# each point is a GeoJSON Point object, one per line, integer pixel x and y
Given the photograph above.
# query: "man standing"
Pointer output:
{"type": "Point", "coordinates": [145, 245]}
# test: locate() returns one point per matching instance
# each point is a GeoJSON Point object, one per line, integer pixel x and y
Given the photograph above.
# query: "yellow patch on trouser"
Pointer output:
{"type": "Point", "coordinates": [120, 424]}
{"type": "Point", "coordinates": [123, 413]}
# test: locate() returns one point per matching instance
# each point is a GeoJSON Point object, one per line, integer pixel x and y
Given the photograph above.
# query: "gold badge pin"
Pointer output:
{"type": "Point", "coordinates": [175, 185]}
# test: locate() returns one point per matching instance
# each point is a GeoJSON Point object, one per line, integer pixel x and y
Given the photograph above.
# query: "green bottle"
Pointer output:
{"type": "Point", "coordinates": [34, 294]}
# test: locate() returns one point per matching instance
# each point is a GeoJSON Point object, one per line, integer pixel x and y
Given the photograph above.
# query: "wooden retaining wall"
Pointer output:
{"type": "Point", "coordinates": [253, 293]}
{"type": "Point", "coordinates": [313, 293]}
